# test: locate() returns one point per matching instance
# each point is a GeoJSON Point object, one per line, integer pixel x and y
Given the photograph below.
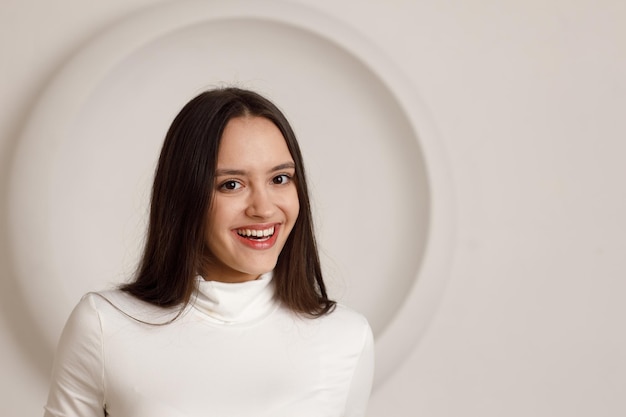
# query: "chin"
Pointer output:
{"type": "Point", "coordinates": [262, 270]}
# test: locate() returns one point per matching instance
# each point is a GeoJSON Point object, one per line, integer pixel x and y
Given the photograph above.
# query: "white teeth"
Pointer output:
{"type": "Point", "coordinates": [256, 232]}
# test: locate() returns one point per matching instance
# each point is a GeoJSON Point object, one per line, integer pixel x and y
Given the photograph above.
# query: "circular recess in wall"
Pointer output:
{"type": "Point", "coordinates": [83, 167]}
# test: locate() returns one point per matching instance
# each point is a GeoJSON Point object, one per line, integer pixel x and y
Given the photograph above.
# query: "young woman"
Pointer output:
{"type": "Point", "coordinates": [228, 313]}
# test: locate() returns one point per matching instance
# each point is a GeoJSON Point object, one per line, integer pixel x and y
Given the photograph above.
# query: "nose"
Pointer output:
{"type": "Point", "coordinates": [260, 204]}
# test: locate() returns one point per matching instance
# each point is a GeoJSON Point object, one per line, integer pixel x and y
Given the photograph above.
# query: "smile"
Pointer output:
{"type": "Point", "coordinates": [257, 234]}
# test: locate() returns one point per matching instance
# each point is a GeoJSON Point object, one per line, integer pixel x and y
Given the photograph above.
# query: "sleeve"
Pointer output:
{"type": "Point", "coordinates": [362, 379]}
{"type": "Point", "coordinates": [77, 388]}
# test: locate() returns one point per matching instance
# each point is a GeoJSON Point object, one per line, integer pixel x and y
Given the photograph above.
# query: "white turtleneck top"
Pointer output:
{"type": "Point", "coordinates": [234, 352]}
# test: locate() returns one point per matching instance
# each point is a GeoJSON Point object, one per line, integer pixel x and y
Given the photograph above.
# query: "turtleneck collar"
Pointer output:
{"type": "Point", "coordinates": [240, 302]}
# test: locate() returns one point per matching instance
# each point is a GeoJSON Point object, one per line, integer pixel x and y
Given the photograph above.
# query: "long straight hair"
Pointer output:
{"type": "Point", "coordinates": [181, 198]}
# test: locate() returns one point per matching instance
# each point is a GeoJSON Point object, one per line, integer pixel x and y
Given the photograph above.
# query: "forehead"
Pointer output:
{"type": "Point", "coordinates": [252, 142]}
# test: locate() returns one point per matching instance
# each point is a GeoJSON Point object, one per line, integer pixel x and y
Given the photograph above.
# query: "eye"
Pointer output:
{"type": "Point", "coordinates": [281, 179]}
{"type": "Point", "coordinates": [230, 185]}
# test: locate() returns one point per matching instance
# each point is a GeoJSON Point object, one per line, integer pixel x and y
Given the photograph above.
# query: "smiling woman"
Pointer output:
{"type": "Point", "coordinates": [228, 303]}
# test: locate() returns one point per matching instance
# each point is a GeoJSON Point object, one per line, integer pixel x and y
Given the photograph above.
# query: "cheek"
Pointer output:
{"type": "Point", "coordinates": [294, 204]}
{"type": "Point", "coordinates": [217, 215]}
{"type": "Point", "coordinates": [221, 211]}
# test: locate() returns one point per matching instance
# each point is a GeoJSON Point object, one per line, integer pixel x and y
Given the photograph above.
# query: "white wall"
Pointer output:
{"type": "Point", "coordinates": [528, 98]}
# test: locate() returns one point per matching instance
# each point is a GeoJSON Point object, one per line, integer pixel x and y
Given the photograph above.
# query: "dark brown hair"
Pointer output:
{"type": "Point", "coordinates": [181, 198]}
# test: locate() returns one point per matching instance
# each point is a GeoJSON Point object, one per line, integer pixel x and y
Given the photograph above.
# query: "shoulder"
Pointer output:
{"type": "Point", "coordinates": [104, 302]}
{"type": "Point", "coordinates": [346, 315]}
{"type": "Point", "coordinates": [84, 320]}
{"type": "Point", "coordinates": [113, 305]}
{"type": "Point", "coordinates": [344, 323]}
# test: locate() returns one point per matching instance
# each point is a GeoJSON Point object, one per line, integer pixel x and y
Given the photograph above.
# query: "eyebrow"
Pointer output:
{"type": "Point", "coordinates": [229, 172]}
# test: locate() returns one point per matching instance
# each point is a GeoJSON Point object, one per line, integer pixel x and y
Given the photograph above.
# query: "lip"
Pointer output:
{"type": "Point", "coordinates": [258, 245]}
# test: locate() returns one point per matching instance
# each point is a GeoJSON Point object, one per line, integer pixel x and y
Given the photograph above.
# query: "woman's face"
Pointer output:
{"type": "Point", "coordinates": [255, 201]}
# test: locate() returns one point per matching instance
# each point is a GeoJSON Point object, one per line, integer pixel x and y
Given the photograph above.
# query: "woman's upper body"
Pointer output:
{"type": "Point", "coordinates": [234, 351]}
{"type": "Point", "coordinates": [257, 334]}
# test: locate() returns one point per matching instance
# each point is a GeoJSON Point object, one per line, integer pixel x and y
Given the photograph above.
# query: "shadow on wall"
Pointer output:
{"type": "Point", "coordinates": [19, 319]}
